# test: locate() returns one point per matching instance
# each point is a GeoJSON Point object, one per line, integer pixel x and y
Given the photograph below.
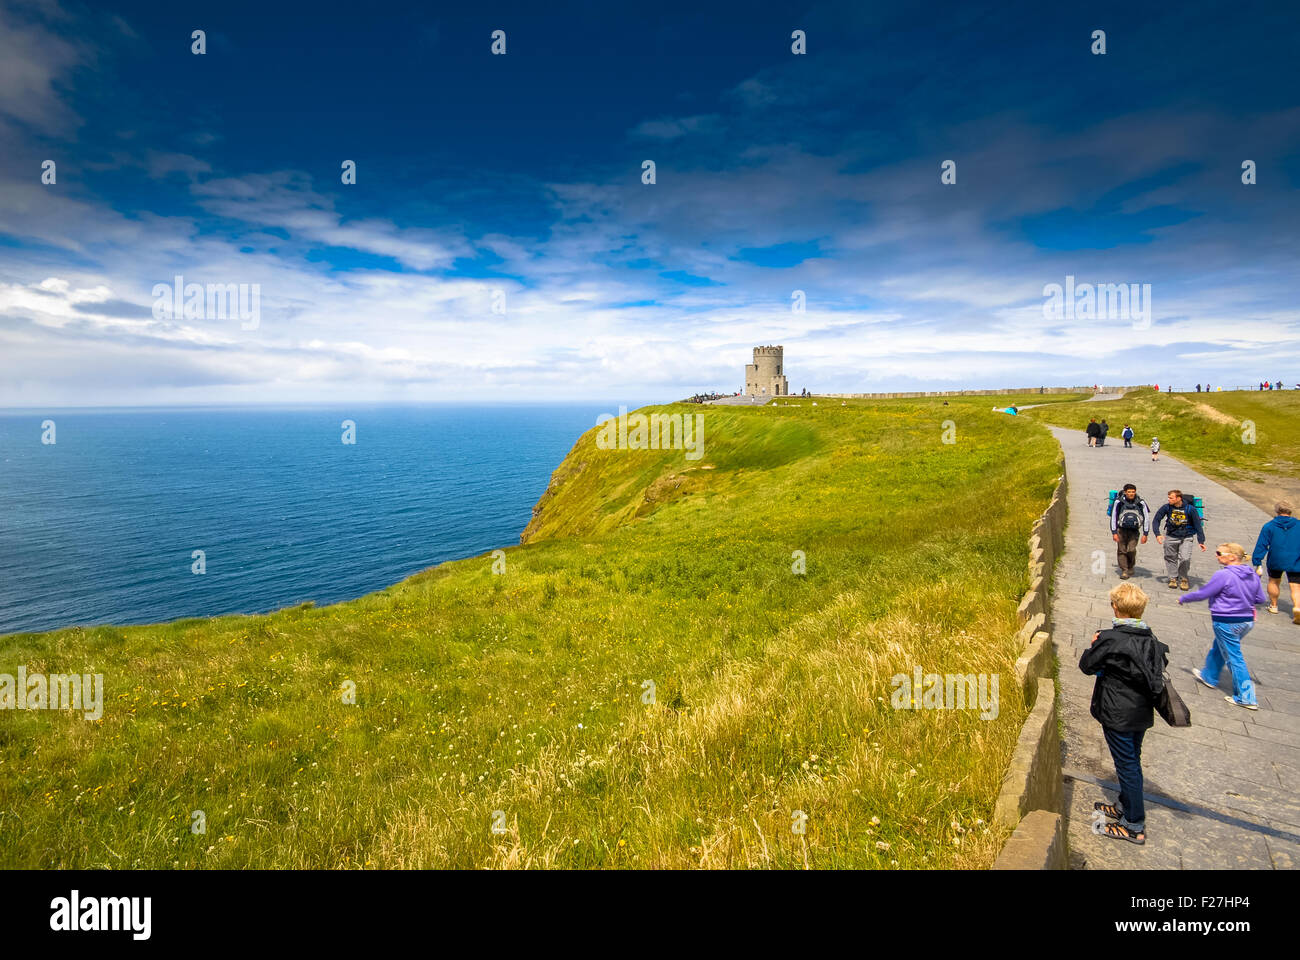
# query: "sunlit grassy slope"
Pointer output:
{"type": "Point", "coordinates": [524, 692]}
{"type": "Point", "coordinates": [1248, 439]}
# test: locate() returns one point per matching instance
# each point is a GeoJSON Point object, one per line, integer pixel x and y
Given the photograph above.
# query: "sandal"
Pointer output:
{"type": "Point", "coordinates": [1109, 809]}
{"type": "Point", "coordinates": [1121, 832]}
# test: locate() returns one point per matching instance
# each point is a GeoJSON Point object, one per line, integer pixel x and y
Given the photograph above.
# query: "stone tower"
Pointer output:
{"type": "Point", "coordinates": [764, 377]}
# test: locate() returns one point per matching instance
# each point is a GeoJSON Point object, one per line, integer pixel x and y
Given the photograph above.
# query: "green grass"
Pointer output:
{"type": "Point", "coordinates": [1208, 432]}
{"type": "Point", "coordinates": [522, 692]}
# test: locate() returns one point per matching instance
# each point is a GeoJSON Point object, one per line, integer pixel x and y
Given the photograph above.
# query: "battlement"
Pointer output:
{"type": "Point", "coordinates": [768, 351]}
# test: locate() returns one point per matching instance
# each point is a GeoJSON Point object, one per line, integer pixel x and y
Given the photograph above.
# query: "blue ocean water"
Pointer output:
{"type": "Point", "coordinates": [100, 526]}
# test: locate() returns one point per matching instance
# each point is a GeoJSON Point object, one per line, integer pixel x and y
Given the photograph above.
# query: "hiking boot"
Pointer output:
{"type": "Point", "coordinates": [1173, 583]}
{"type": "Point", "coordinates": [1183, 584]}
{"type": "Point", "coordinates": [1295, 617]}
{"type": "Point", "coordinates": [1123, 575]}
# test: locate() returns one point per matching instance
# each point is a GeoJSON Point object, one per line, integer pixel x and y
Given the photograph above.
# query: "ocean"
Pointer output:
{"type": "Point", "coordinates": [102, 525]}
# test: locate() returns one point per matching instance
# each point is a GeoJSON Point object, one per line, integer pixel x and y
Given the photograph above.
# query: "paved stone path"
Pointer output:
{"type": "Point", "coordinates": [1225, 792]}
{"type": "Point", "coordinates": [741, 401]}
{"type": "Point", "coordinates": [1095, 396]}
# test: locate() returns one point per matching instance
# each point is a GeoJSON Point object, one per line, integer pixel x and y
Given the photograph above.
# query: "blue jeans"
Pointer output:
{"type": "Point", "coordinates": [1126, 751]}
{"type": "Point", "coordinates": [1227, 650]}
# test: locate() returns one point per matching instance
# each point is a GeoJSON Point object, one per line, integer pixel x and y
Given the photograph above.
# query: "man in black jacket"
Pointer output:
{"type": "Point", "coordinates": [1130, 665]}
{"type": "Point", "coordinates": [1093, 432]}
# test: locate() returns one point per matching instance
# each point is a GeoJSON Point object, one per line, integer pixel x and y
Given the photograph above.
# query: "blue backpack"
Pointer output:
{"type": "Point", "coordinates": [1195, 501]}
{"type": "Point", "coordinates": [1136, 513]}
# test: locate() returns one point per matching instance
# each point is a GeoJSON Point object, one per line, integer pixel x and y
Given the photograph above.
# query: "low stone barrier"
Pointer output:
{"type": "Point", "coordinates": [1037, 844]}
{"type": "Point", "coordinates": [1012, 391]}
{"type": "Point", "coordinates": [1033, 790]}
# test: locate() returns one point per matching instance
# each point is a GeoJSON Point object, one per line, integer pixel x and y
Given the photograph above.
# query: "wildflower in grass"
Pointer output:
{"type": "Point", "coordinates": [881, 845]}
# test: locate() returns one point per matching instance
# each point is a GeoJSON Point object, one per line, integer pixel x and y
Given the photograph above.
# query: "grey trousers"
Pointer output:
{"type": "Point", "coordinates": [1178, 556]}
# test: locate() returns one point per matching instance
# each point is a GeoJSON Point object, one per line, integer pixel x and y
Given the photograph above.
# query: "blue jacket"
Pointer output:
{"type": "Point", "coordinates": [1192, 523]}
{"type": "Point", "coordinates": [1280, 539]}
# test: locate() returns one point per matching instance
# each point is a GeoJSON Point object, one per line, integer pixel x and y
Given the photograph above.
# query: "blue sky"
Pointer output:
{"type": "Point", "coordinates": [522, 174]}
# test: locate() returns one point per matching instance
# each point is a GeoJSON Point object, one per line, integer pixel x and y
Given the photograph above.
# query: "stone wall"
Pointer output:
{"type": "Point", "coordinates": [972, 393]}
{"type": "Point", "coordinates": [1033, 790]}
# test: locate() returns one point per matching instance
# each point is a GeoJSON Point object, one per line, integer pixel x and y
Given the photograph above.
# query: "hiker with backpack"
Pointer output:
{"type": "Point", "coordinates": [1129, 521]}
{"type": "Point", "coordinates": [1129, 663]}
{"type": "Point", "coordinates": [1127, 435]}
{"type": "Point", "coordinates": [1234, 591]}
{"type": "Point", "coordinates": [1182, 523]}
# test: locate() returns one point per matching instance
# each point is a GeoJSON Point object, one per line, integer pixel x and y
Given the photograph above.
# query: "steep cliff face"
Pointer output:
{"type": "Point", "coordinates": [595, 490]}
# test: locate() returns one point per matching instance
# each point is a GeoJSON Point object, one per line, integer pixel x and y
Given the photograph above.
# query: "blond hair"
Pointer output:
{"type": "Point", "coordinates": [1233, 549]}
{"type": "Point", "coordinates": [1128, 600]}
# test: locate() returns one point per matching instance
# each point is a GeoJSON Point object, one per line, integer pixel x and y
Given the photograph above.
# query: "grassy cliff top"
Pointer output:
{"type": "Point", "coordinates": [520, 699]}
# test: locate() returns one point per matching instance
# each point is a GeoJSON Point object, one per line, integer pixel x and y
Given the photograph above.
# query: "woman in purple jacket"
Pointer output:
{"type": "Point", "coordinates": [1234, 591]}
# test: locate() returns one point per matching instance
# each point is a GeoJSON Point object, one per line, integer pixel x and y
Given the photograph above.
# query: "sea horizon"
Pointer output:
{"type": "Point", "coordinates": [101, 526]}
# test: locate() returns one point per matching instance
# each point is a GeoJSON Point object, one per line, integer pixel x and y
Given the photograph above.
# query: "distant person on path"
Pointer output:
{"type": "Point", "coordinates": [1105, 429]}
{"type": "Point", "coordinates": [1233, 592]}
{"type": "Point", "coordinates": [1182, 523]}
{"type": "Point", "coordinates": [1280, 539]}
{"type": "Point", "coordinates": [1129, 663]}
{"type": "Point", "coordinates": [1198, 388]}
{"type": "Point", "coordinates": [1093, 432]}
{"type": "Point", "coordinates": [1127, 435]}
{"type": "Point", "coordinates": [1155, 449]}
{"type": "Point", "coordinates": [1130, 518]}
{"type": "Point", "coordinates": [1157, 388]}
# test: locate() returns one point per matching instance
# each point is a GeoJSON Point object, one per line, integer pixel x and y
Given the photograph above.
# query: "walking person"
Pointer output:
{"type": "Point", "coordinates": [1093, 432]}
{"type": "Point", "coordinates": [1155, 449]}
{"type": "Point", "coordinates": [1280, 539]}
{"type": "Point", "coordinates": [1130, 518]}
{"type": "Point", "coordinates": [1101, 437]}
{"type": "Point", "coordinates": [1234, 591]}
{"type": "Point", "coordinates": [1129, 663]}
{"type": "Point", "coordinates": [1182, 523]}
{"type": "Point", "coordinates": [1127, 435]}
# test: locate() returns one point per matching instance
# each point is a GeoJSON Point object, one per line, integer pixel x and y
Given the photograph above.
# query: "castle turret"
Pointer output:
{"type": "Point", "coordinates": [764, 377]}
